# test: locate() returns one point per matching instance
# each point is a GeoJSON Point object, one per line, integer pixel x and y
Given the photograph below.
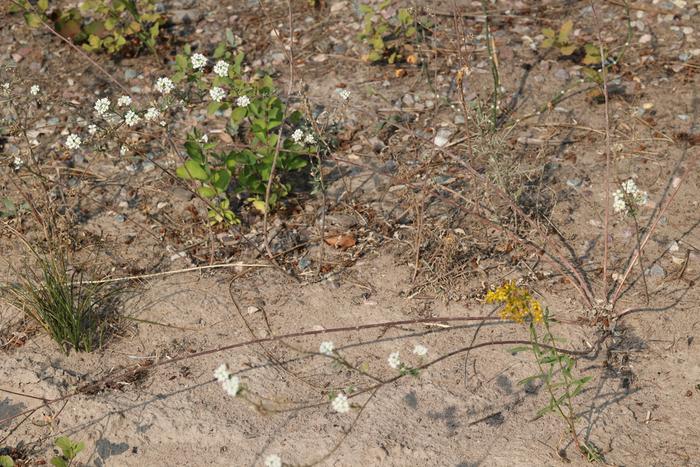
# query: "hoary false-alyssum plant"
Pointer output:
{"type": "Point", "coordinates": [389, 35]}
{"type": "Point", "coordinates": [258, 121]}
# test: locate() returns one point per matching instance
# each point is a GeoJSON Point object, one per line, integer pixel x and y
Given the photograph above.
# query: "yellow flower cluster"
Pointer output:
{"type": "Point", "coordinates": [519, 303]}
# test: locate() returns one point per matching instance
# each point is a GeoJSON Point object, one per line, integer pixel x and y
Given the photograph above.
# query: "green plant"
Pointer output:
{"type": "Point", "coordinates": [107, 25]}
{"type": "Point", "coordinates": [6, 461]}
{"type": "Point", "coordinates": [560, 40]}
{"type": "Point", "coordinates": [69, 450]}
{"type": "Point", "coordinates": [258, 119]}
{"type": "Point", "coordinates": [388, 36]}
{"type": "Point", "coordinates": [68, 308]}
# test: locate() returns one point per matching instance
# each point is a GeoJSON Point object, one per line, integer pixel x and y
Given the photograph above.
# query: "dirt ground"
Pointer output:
{"type": "Point", "coordinates": [428, 239]}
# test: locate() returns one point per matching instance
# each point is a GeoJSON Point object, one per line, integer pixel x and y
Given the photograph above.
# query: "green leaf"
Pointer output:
{"type": "Point", "coordinates": [529, 379]}
{"type": "Point", "coordinates": [220, 50]}
{"type": "Point", "coordinates": [6, 461]}
{"type": "Point", "coordinates": [192, 170]}
{"type": "Point", "coordinates": [238, 114]}
{"type": "Point", "coordinates": [568, 50]}
{"type": "Point", "coordinates": [59, 462]}
{"type": "Point", "coordinates": [522, 348]}
{"type": "Point", "coordinates": [43, 5]}
{"type": "Point", "coordinates": [213, 107]}
{"type": "Point", "coordinates": [548, 32]}
{"type": "Point", "coordinates": [565, 31]}
{"type": "Point", "coordinates": [33, 20]}
{"type": "Point", "coordinates": [206, 192]}
{"type": "Point", "coordinates": [547, 43]}
{"type": "Point", "coordinates": [221, 179]}
{"type": "Point", "coordinates": [194, 150]}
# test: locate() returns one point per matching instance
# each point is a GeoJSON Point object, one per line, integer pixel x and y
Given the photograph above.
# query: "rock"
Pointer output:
{"type": "Point", "coordinates": [656, 271]}
{"type": "Point", "coordinates": [442, 137]}
{"type": "Point", "coordinates": [574, 183]}
{"type": "Point", "coordinates": [278, 58]}
{"type": "Point", "coordinates": [181, 194]}
{"type": "Point", "coordinates": [338, 6]}
{"type": "Point", "coordinates": [408, 99]}
{"type": "Point", "coordinates": [459, 119]}
{"type": "Point", "coordinates": [645, 39]}
{"type": "Point", "coordinates": [130, 74]}
{"type": "Point", "coordinates": [193, 15]}
{"type": "Point", "coordinates": [561, 74]}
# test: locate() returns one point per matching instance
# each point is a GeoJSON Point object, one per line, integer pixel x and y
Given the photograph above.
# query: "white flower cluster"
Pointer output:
{"type": "Point", "coordinates": [273, 460]}
{"type": "Point", "coordinates": [199, 61]}
{"type": "Point", "coordinates": [340, 404]}
{"type": "Point", "coordinates": [217, 94]}
{"type": "Point", "coordinates": [151, 114]}
{"type": "Point", "coordinates": [73, 141]}
{"type": "Point", "coordinates": [344, 94]}
{"type": "Point", "coordinates": [629, 197]}
{"type": "Point", "coordinates": [6, 88]}
{"type": "Point", "coordinates": [420, 350]}
{"type": "Point", "coordinates": [326, 348]}
{"type": "Point", "coordinates": [17, 163]}
{"type": "Point", "coordinates": [34, 90]}
{"type": "Point", "coordinates": [298, 136]}
{"type": "Point", "coordinates": [230, 383]}
{"type": "Point", "coordinates": [221, 68]}
{"type": "Point", "coordinates": [102, 106]}
{"type": "Point", "coordinates": [131, 118]}
{"type": "Point", "coordinates": [394, 360]}
{"type": "Point", "coordinates": [243, 101]}
{"type": "Point", "coordinates": [124, 101]}
{"type": "Point", "coordinates": [164, 85]}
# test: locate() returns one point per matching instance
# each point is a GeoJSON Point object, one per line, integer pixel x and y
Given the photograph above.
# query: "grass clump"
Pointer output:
{"type": "Point", "coordinates": [71, 310]}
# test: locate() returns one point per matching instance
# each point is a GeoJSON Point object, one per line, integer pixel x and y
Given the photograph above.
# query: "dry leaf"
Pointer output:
{"type": "Point", "coordinates": [340, 241]}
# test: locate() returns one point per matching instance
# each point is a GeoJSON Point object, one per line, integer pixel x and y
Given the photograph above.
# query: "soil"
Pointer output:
{"type": "Point", "coordinates": [410, 227]}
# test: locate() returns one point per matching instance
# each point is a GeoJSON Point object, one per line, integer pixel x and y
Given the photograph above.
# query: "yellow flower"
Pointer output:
{"type": "Point", "coordinates": [519, 304]}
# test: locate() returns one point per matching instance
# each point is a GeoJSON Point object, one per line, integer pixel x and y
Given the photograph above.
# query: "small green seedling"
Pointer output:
{"type": "Point", "coordinates": [69, 450]}
{"type": "Point", "coordinates": [560, 40]}
{"type": "Point", "coordinates": [389, 37]}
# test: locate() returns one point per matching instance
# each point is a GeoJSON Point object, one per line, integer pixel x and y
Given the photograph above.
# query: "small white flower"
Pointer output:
{"type": "Point", "coordinates": [629, 197]}
{"type": "Point", "coordinates": [221, 68]}
{"type": "Point", "coordinates": [73, 141]}
{"type": "Point", "coordinates": [344, 93]}
{"type": "Point", "coordinates": [151, 114]}
{"type": "Point", "coordinates": [102, 106]}
{"type": "Point", "coordinates": [131, 118]}
{"type": "Point", "coordinates": [326, 348]}
{"type": "Point", "coordinates": [273, 460]}
{"type": "Point", "coordinates": [420, 350]}
{"type": "Point", "coordinates": [123, 151]}
{"type": "Point", "coordinates": [204, 139]}
{"type": "Point", "coordinates": [18, 163]}
{"type": "Point", "coordinates": [298, 135]}
{"type": "Point", "coordinates": [164, 85]}
{"type": "Point", "coordinates": [232, 385]}
{"type": "Point", "coordinates": [6, 88]}
{"type": "Point", "coordinates": [34, 90]}
{"type": "Point", "coordinates": [92, 129]}
{"type": "Point", "coordinates": [394, 360]}
{"type": "Point", "coordinates": [221, 373]}
{"type": "Point", "coordinates": [340, 404]}
{"type": "Point", "coordinates": [124, 101]}
{"type": "Point", "coordinates": [198, 61]}
{"type": "Point", "coordinates": [310, 139]}
{"type": "Point", "coordinates": [163, 123]}
{"type": "Point", "coordinates": [243, 101]}
{"type": "Point", "coordinates": [216, 94]}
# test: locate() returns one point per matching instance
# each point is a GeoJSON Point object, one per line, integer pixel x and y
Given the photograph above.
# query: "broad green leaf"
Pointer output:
{"type": "Point", "coordinates": [194, 150]}
{"type": "Point", "coordinates": [238, 114]}
{"type": "Point", "coordinates": [192, 170]}
{"type": "Point", "coordinates": [259, 205]}
{"type": "Point", "coordinates": [43, 5]}
{"type": "Point", "coordinates": [548, 32]}
{"type": "Point", "coordinates": [33, 20]}
{"type": "Point", "coordinates": [206, 192]}
{"type": "Point", "coordinates": [565, 31]}
{"type": "Point", "coordinates": [213, 107]}
{"type": "Point", "coordinates": [221, 179]}
{"type": "Point", "coordinates": [568, 50]}
{"type": "Point", "coordinates": [547, 43]}
{"type": "Point", "coordinates": [6, 461]}
{"type": "Point", "coordinates": [59, 462]}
